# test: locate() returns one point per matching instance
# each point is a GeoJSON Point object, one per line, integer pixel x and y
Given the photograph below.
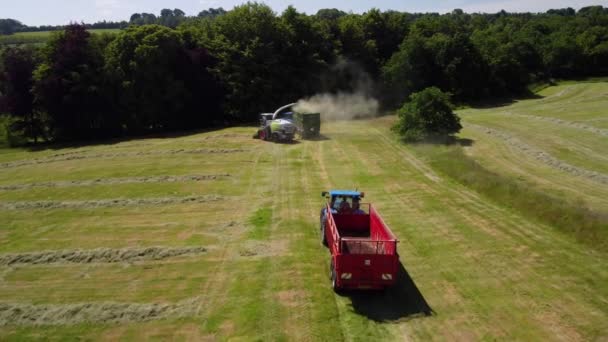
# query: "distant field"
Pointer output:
{"type": "Point", "coordinates": [39, 37]}
{"type": "Point", "coordinates": [235, 225]}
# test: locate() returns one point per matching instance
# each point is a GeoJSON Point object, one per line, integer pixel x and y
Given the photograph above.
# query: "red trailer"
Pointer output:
{"type": "Point", "coordinates": [363, 248]}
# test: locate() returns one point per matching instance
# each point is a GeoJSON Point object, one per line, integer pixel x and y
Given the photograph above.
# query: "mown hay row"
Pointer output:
{"type": "Point", "coordinates": [19, 314]}
{"type": "Point", "coordinates": [561, 122]}
{"type": "Point", "coordinates": [78, 156]}
{"type": "Point", "coordinates": [542, 156]}
{"type": "Point", "coordinates": [118, 202]}
{"type": "Point", "coordinates": [106, 181]}
{"type": "Point", "coordinates": [98, 255]}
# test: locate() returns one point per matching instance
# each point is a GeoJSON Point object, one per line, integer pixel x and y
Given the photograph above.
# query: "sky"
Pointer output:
{"type": "Point", "coordinates": [59, 12]}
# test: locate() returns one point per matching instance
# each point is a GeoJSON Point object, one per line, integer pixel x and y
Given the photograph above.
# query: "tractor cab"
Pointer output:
{"type": "Point", "coordinates": [344, 201]}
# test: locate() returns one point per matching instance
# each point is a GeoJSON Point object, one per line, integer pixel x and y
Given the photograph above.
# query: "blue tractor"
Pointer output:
{"type": "Point", "coordinates": [340, 202]}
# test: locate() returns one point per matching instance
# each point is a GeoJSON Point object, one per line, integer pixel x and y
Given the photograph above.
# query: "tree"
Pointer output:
{"type": "Point", "coordinates": [211, 12]}
{"type": "Point", "coordinates": [428, 114]}
{"type": "Point", "coordinates": [10, 26]}
{"type": "Point", "coordinates": [330, 13]}
{"type": "Point", "coordinates": [160, 81]}
{"type": "Point", "coordinates": [357, 45]}
{"type": "Point", "coordinates": [304, 53]}
{"type": "Point", "coordinates": [69, 86]}
{"type": "Point", "coordinates": [16, 98]}
{"type": "Point", "coordinates": [410, 69]}
{"type": "Point", "coordinates": [248, 42]}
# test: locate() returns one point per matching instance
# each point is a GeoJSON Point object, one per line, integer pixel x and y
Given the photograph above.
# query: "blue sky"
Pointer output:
{"type": "Point", "coordinates": [55, 12]}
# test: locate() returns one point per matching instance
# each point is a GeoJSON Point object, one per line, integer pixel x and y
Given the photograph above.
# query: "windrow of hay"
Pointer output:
{"type": "Point", "coordinates": [542, 156]}
{"type": "Point", "coordinates": [19, 314]}
{"type": "Point", "coordinates": [106, 181]}
{"type": "Point", "coordinates": [118, 202]}
{"type": "Point", "coordinates": [98, 255]}
{"type": "Point", "coordinates": [225, 135]}
{"type": "Point", "coordinates": [579, 125]}
{"type": "Point", "coordinates": [78, 156]}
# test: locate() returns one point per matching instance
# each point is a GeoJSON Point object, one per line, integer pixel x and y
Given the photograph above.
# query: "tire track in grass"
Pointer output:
{"type": "Point", "coordinates": [353, 324]}
{"type": "Point", "coordinates": [345, 331]}
{"type": "Point", "coordinates": [114, 181]}
{"type": "Point", "coordinates": [274, 316]}
{"type": "Point", "coordinates": [217, 284]}
{"type": "Point", "coordinates": [312, 173]}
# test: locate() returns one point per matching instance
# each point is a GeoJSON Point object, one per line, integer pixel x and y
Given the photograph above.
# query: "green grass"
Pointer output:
{"type": "Point", "coordinates": [570, 216]}
{"type": "Point", "coordinates": [38, 38]}
{"type": "Point", "coordinates": [489, 270]}
{"type": "Point", "coordinates": [261, 221]}
{"type": "Point", "coordinates": [568, 123]}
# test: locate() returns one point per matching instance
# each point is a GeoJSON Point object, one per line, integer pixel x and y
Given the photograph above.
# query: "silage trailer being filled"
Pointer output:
{"type": "Point", "coordinates": [363, 248]}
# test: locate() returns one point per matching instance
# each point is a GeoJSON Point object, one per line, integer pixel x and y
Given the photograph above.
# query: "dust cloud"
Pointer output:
{"type": "Point", "coordinates": [350, 96]}
{"type": "Point", "coordinates": [340, 106]}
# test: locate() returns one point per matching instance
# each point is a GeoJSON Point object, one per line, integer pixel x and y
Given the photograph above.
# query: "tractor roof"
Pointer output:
{"type": "Point", "coordinates": [348, 193]}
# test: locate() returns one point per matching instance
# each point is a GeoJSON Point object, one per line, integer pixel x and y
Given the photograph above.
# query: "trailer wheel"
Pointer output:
{"type": "Point", "coordinates": [333, 276]}
{"type": "Point", "coordinates": [323, 237]}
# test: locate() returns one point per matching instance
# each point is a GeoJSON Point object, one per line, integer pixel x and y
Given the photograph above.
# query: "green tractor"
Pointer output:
{"type": "Point", "coordinates": [284, 123]}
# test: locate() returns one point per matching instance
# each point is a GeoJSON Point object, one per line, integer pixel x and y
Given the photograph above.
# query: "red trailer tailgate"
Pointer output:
{"type": "Point", "coordinates": [365, 258]}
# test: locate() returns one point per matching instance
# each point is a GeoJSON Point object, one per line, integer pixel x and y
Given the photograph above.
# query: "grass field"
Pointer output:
{"type": "Point", "coordinates": [559, 140]}
{"type": "Point", "coordinates": [40, 37]}
{"type": "Point", "coordinates": [235, 226]}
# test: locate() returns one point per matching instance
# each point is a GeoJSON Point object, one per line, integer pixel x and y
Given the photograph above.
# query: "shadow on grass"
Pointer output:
{"type": "Point", "coordinates": [402, 301]}
{"type": "Point", "coordinates": [504, 101]}
{"type": "Point", "coordinates": [319, 137]}
{"type": "Point", "coordinates": [446, 140]}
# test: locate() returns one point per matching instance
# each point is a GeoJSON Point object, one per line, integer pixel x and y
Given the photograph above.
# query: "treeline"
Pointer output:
{"type": "Point", "coordinates": [224, 67]}
{"type": "Point", "coordinates": [172, 18]}
{"type": "Point", "coordinates": [10, 26]}
{"type": "Point", "coordinates": [167, 17]}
